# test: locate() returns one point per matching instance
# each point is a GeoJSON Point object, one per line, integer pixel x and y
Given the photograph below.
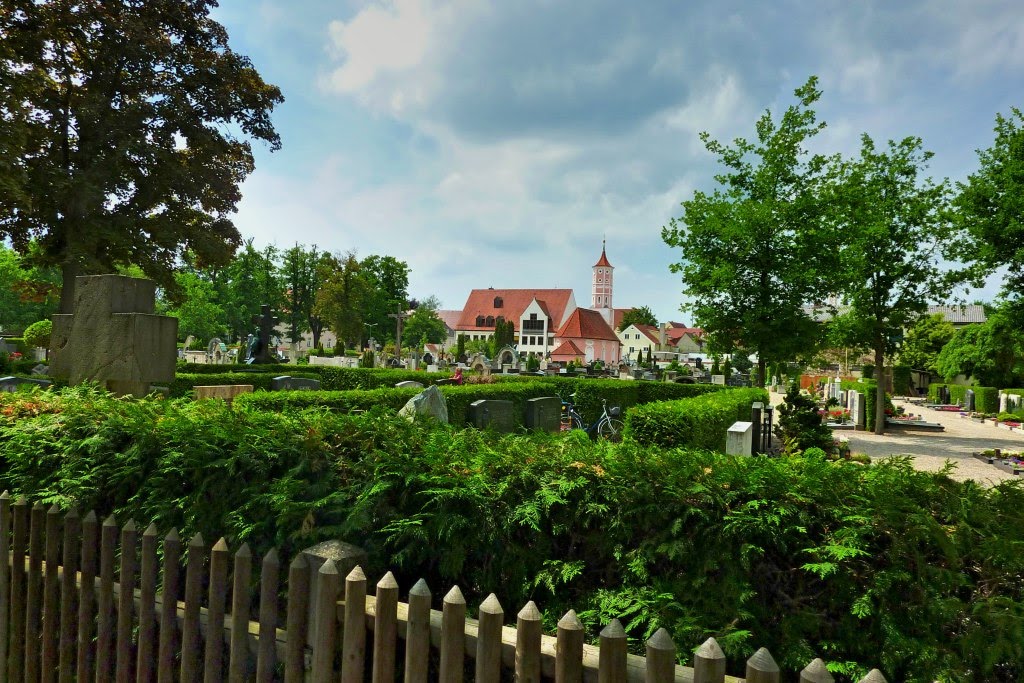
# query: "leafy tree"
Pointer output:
{"type": "Point", "coordinates": [424, 324]}
{"type": "Point", "coordinates": [716, 368]}
{"type": "Point", "coordinates": [800, 426]}
{"type": "Point", "coordinates": [991, 205]}
{"type": "Point", "coordinates": [199, 314]}
{"type": "Point", "coordinates": [38, 335]}
{"type": "Point", "coordinates": [387, 281]}
{"type": "Point", "coordinates": [924, 340]}
{"type": "Point", "coordinates": [640, 357]}
{"type": "Point", "coordinates": [638, 316]}
{"type": "Point", "coordinates": [251, 280]}
{"type": "Point", "coordinates": [992, 353]}
{"type": "Point", "coordinates": [27, 293]}
{"type": "Point", "coordinates": [755, 250]}
{"type": "Point", "coordinates": [460, 348]}
{"type": "Point", "coordinates": [650, 359]}
{"type": "Point", "coordinates": [894, 227]}
{"type": "Point", "coordinates": [741, 361]}
{"type": "Point", "coordinates": [504, 334]}
{"type": "Point", "coordinates": [127, 126]}
{"type": "Point", "coordinates": [341, 298]}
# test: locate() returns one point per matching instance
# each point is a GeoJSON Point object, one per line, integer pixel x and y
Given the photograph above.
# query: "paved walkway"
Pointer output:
{"type": "Point", "coordinates": [931, 450]}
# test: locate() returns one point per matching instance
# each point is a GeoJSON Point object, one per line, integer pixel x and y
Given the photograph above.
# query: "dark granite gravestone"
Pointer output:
{"type": "Point", "coordinates": [496, 415]}
{"type": "Point", "coordinates": [258, 352]}
{"type": "Point", "coordinates": [289, 383]}
{"type": "Point", "coordinates": [544, 413]}
{"type": "Point", "coordinates": [944, 395]}
{"type": "Point", "coordinates": [9, 385]}
{"type": "Point", "coordinates": [969, 401]}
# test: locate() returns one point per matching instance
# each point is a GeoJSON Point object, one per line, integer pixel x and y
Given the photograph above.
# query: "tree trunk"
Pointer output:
{"type": "Point", "coordinates": [762, 367]}
{"type": "Point", "coordinates": [880, 389]}
{"type": "Point", "coordinates": [69, 270]}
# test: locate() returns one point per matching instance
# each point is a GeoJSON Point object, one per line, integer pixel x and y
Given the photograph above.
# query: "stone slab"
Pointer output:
{"type": "Point", "coordinates": [544, 413]}
{"type": "Point", "coordinates": [9, 385]}
{"type": "Point", "coordinates": [289, 383]}
{"type": "Point", "coordinates": [429, 402]}
{"type": "Point", "coordinates": [739, 439]}
{"type": "Point", "coordinates": [228, 392]}
{"type": "Point", "coordinates": [409, 384]}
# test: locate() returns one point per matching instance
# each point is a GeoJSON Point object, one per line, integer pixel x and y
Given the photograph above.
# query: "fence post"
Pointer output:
{"type": "Point", "coordinates": [87, 598]}
{"type": "Point", "coordinates": [5, 578]}
{"type": "Point", "coordinates": [488, 640]}
{"type": "Point", "coordinates": [16, 663]}
{"type": "Point", "coordinates": [213, 661]}
{"type": "Point", "coordinates": [33, 603]}
{"type": "Point", "coordinates": [298, 605]}
{"type": "Point", "coordinates": [51, 588]}
{"type": "Point", "coordinates": [611, 665]}
{"type": "Point", "coordinates": [385, 630]}
{"type": "Point", "coordinates": [816, 672]}
{"type": "Point", "coordinates": [661, 658]}
{"type": "Point", "coordinates": [325, 615]}
{"type": "Point", "coordinates": [569, 649]}
{"type": "Point", "coordinates": [874, 676]}
{"type": "Point", "coordinates": [240, 595]}
{"type": "Point", "coordinates": [709, 663]}
{"type": "Point", "coordinates": [353, 646]}
{"type": "Point", "coordinates": [105, 601]}
{"type": "Point", "coordinates": [147, 607]}
{"type": "Point", "coordinates": [126, 603]}
{"type": "Point", "coordinates": [528, 639]}
{"type": "Point", "coordinates": [169, 607]}
{"type": "Point", "coordinates": [761, 668]}
{"type": "Point", "coordinates": [266, 658]}
{"type": "Point", "coordinates": [193, 597]}
{"type": "Point", "coordinates": [453, 636]}
{"type": "Point", "coordinates": [417, 634]}
{"type": "Point", "coordinates": [68, 594]}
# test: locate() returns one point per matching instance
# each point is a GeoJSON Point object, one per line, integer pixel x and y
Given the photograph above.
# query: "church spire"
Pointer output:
{"type": "Point", "coordinates": [601, 286]}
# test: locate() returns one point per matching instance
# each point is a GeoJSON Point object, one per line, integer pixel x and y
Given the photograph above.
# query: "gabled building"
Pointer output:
{"type": "Point", "coordinates": [638, 338]}
{"type": "Point", "coordinates": [536, 315]}
{"type": "Point", "coordinates": [586, 332]}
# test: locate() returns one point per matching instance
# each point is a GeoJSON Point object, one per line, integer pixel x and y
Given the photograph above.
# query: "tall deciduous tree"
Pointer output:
{"type": "Point", "coordinates": [341, 299]}
{"type": "Point", "coordinates": [126, 129]}
{"type": "Point", "coordinates": [388, 291]}
{"type": "Point", "coordinates": [895, 226]}
{"type": "Point", "coordinates": [992, 353]}
{"type": "Point", "coordinates": [924, 340]}
{"type": "Point", "coordinates": [252, 279]}
{"type": "Point", "coordinates": [756, 250]}
{"type": "Point", "coordinates": [27, 294]}
{"type": "Point", "coordinates": [638, 316]}
{"type": "Point", "coordinates": [424, 324]}
{"type": "Point", "coordinates": [991, 204]}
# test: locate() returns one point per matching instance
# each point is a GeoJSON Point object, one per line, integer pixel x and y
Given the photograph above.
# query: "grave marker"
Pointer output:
{"type": "Point", "coordinates": [497, 415]}
{"type": "Point", "coordinates": [544, 413]}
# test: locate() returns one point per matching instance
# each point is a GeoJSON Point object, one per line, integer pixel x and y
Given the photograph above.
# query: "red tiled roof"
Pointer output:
{"type": "Point", "coordinates": [586, 324]}
{"type": "Point", "coordinates": [676, 333]}
{"type": "Point", "coordinates": [567, 350]}
{"type": "Point", "coordinates": [650, 330]}
{"type": "Point", "coordinates": [603, 261]}
{"type": "Point", "coordinates": [618, 315]}
{"type": "Point", "coordinates": [514, 302]}
{"type": "Point", "coordinates": [450, 318]}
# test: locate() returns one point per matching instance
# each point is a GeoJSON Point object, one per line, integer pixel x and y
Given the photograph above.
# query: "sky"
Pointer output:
{"type": "Point", "coordinates": [496, 144]}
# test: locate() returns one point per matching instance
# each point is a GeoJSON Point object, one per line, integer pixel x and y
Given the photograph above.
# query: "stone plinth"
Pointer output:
{"type": "Point", "coordinates": [228, 392]}
{"type": "Point", "coordinates": [544, 413]}
{"type": "Point", "coordinates": [113, 337]}
{"type": "Point", "coordinates": [739, 440]}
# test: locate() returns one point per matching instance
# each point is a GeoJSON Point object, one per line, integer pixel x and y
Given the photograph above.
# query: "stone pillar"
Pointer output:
{"type": "Point", "coordinates": [739, 438]}
{"type": "Point", "coordinates": [858, 414]}
{"type": "Point", "coordinates": [756, 418]}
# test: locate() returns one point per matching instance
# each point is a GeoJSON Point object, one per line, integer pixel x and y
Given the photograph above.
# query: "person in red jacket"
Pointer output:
{"type": "Point", "coordinates": [457, 377]}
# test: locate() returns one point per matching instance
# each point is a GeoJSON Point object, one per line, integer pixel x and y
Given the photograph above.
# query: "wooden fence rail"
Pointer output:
{"type": "Point", "coordinates": [63, 617]}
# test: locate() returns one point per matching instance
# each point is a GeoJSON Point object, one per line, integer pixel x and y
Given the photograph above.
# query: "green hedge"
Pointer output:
{"type": "Point", "coordinates": [901, 380]}
{"type": "Point", "coordinates": [933, 391]}
{"type": "Point", "coordinates": [698, 422]}
{"type": "Point", "coordinates": [869, 388]}
{"type": "Point", "coordinates": [986, 399]}
{"type": "Point", "coordinates": [184, 382]}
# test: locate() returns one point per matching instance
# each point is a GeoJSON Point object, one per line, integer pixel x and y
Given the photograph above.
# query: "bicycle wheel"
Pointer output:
{"type": "Point", "coordinates": [611, 429]}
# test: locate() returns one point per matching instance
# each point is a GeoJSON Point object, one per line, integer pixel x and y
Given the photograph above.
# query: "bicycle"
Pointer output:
{"type": "Point", "coordinates": [608, 426]}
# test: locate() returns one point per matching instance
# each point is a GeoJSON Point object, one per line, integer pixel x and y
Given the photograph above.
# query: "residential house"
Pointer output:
{"type": "Point", "coordinates": [638, 338]}
{"type": "Point", "coordinates": [585, 337]}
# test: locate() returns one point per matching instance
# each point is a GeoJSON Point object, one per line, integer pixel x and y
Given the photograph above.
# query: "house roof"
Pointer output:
{"type": "Point", "coordinates": [586, 324]}
{"type": "Point", "coordinates": [960, 315]}
{"type": "Point", "coordinates": [513, 302]}
{"type": "Point", "coordinates": [449, 318]}
{"type": "Point", "coordinates": [617, 315]}
{"type": "Point", "coordinates": [650, 331]}
{"type": "Point", "coordinates": [567, 350]}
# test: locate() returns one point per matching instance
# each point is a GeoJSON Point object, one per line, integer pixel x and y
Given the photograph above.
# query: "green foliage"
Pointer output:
{"type": "Point", "coordinates": [341, 298]}
{"type": "Point", "coordinates": [756, 250]}
{"type": "Point", "coordinates": [367, 360]}
{"type": "Point", "coordinates": [388, 291]}
{"type": "Point", "coordinates": [504, 335]}
{"type": "Point", "coordinates": [699, 422]}
{"type": "Point", "coordinates": [638, 316]}
{"type": "Point", "coordinates": [986, 399]}
{"type": "Point", "coordinates": [924, 340]}
{"type": "Point", "coordinates": [135, 127]}
{"type": "Point", "coordinates": [198, 313]}
{"type": "Point", "coordinates": [38, 334]}
{"type": "Point", "coordinates": [901, 380]}
{"type": "Point", "coordinates": [933, 391]}
{"type": "Point", "coordinates": [424, 324]}
{"type": "Point", "coordinates": [872, 566]}
{"type": "Point", "coordinates": [27, 293]}
{"type": "Point", "coordinates": [800, 427]}
{"type": "Point", "coordinates": [991, 353]}
{"type": "Point", "coordinates": [868, 372]}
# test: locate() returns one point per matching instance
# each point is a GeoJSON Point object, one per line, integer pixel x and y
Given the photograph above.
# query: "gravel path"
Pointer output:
{"type": "Point", "coordinates": [931, 450]}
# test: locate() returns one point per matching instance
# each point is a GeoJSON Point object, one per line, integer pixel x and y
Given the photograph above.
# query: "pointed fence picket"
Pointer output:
{"type": "Point", "coordinates": [64, 617]}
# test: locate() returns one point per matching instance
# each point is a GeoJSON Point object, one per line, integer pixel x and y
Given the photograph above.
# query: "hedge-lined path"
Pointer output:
{"type": "Point", "coordinates": [931, 450]}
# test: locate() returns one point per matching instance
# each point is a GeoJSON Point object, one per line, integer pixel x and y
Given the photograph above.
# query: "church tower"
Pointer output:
{"type": "Point", "coordinates": [601, 287]}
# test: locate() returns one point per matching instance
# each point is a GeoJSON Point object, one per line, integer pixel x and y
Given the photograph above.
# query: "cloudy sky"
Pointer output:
{"type": "Point", "coordinates": [494, 144]}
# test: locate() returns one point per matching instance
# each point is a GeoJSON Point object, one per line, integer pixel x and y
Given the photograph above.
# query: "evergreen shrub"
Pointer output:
{"type": "Point", "coordinates": [934, 389]}
{"type": "Point", "coordinates": [698, 422]}
{"type": "Point", "coordinates": [986, 399]}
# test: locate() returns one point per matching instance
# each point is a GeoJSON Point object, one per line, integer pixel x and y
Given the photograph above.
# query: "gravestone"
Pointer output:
{"type": "Point", "coordinates": [718, 379]}
{"type": "Point", "coordinates": [858, 410]}
{"type": "Point", "coordinates": [9, 385]}
{"type": "Point", "coordinates": [739, 440]}
{"type": "Point", "coordinates": [496, 415]}
{"type": "Point", "coordinates": [969, 400]}
{"type": "Point", "coordinates": [1003, 401]}
{"type": "Point", "coordinates": [258, 351]}
{"type": "Point", "coordinates": [288, 383]}
{"type": "Point", "coordinates": [113, 337]}
{"type": "Point", "coordinates": [409, 384]}
{"type": "Point", "coordinates": [41, 370]}
{"type": "Point", "coordinates": [227, 392]}
{"type": "Point", "coordinates": [428, 402]}
{"type": "Point", "coordinates": [544, 413]}
{"type": "Point", "coordinates": [944, 395]}
{"type": "Point", "coordinates": [346, 557]}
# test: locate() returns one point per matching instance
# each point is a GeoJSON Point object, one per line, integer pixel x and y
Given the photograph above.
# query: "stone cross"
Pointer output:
{"type": "Point", "coordinates": [266, 323]}
{"type": "Point", "coordinates": [113, 337]}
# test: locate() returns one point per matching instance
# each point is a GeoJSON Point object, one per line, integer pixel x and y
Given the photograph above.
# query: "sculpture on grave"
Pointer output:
{"type": "Point", "coordinates": [113, 337]}
{"type": "Point", "coordinates": [258, 346]}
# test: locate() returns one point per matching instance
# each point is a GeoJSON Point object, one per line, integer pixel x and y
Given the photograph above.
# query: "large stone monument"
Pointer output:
{"type": "Point", "coordinates": [258, 351]}
{"type": "Point", "coordinates": [113, 336]}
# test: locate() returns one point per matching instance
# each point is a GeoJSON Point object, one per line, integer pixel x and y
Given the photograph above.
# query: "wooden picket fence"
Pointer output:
{"type": "Point", "coordinates": [66, 615]}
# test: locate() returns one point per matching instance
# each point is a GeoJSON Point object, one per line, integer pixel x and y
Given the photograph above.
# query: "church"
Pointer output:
{"type": "Point", "coordinates": [548, 323]}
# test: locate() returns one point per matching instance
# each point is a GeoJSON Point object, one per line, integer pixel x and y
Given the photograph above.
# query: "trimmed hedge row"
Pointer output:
{"type": "Point", "coordinates": [986, 399]}
{"type": "Point", "coordinates": [901, 380]}
{"type": "Point", "coordinates": [933, 391]}
{"type": "Point", "coordinates": [698, 422]}
{"type": "Point", "coordinates": [184, 382]}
